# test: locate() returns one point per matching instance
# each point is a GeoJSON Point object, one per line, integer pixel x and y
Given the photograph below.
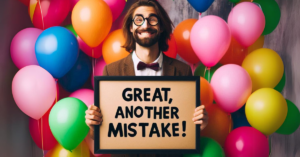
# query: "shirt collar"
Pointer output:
{"type": "Point", "coordinates": [158, 60]}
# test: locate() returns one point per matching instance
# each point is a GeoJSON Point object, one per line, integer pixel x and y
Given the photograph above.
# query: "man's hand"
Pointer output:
{"type": "Point", "coordinates": [93, 117]}
{"type": "Point", "coordinates": [200, 116]}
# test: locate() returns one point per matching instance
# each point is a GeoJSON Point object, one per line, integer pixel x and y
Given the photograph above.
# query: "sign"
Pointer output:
{"type": "Point", "coordinates": [147, 114]}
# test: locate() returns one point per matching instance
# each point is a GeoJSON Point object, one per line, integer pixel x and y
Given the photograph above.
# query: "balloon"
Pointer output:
{"type": "Point", "coordinates": [259, 43]}
{"type": "Point", "coordinates": [266, 110]}
{"type": "Point", "coordinates": [201, 6]}
{"type": "Point", "coordinates": [112, 49]}
{"type": "Point", "coordinates": [92, 52]}
{"type": "Point", "coordinates": [98, 69]}
{"type": "Point", "coordinates": [48, 13]}
{"type": "Point", "coordinates": [81, 150]}
{"type": "Point", "coordinates": [56, 51]}
{"type": "Point", "coordinates": [25, 2]}
{"type": "Point", "coordinates": [67, 122]}
{"type": "Point", "coordinates": [247, 30]}
{"type": "Point", "coordinates": [219, 124]}
{"type": "Point", "coordinates": [281, 83]}
{"type": "Point", "coordinates": [85, 95]}
{"type": "Point", "coordinates": [182, 34]}
{"type": "Point", "coordinates": [235, 54]}
{"type": "Point", "coordinates": [78, 75]}
{"type": "Point", "coordinates": [116, 7]}
{"type": "Point", "coordinates": [210, 39]}
{"type": "Point", "coordinates": [73, 3]}
{"type": "Point", "coordinates": [246, 142]}
{"type": "Point", "coordinates": [63, 93]}
{"type": "Point", "coordinates": [22, 47]}
{"type": "Point", "coordinates": [172, 51]}
{"type": "Point", "coordinates": [201, 70]}
{"type": "Point", "coordinates": [209, 148]}
{"type": "Point", "coordinates": [232, 87]}
{"type": "Point", "coordinates": [92, 21]}
{"type": "Point", "coordinates": [239, 118]}
{"type": "Point", "coordinates": [41, 133]}
{"type": "Point", "coordinates": [265, 68]}
{"type": "Point", "coordinates": [71, 28]}
{"type": "Point", "coordinates": [118, 24]}
{"type": "Point", "coordinates": [272, 14]}
{"type": "Point", "coordinates": [292, 120]}
{"type": "Point", "coordinates": [234, 1]}
{"type": "Point", "coordinates": [34, 90]}
{"type": "Point", "coordinates": [206, 92]}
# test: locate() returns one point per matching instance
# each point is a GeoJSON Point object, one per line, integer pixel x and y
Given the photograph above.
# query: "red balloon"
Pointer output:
{"type": "Point", "coordinates": [235, 54]}
{"type": "Point", "coordinates": [48, 13]}
{"type": "Point", "coordinates": [25, 2]}
{"type": "Point", "coordinates": [172, 51]}
{"type": "Point", "coordinates": [92, 52]}
{"type": "Point", "coordinates": [41, 133]}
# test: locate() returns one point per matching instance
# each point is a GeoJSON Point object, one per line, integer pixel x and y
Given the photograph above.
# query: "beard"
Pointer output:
{"type": "Point", "coordinates": [148, 41]}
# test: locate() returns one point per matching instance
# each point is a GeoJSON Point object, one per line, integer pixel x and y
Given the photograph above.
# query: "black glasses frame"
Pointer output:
{"type": "Point", "coordinates": [146, 19]}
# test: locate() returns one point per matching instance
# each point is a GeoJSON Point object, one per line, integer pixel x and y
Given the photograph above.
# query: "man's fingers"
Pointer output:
{"type": "Point", "coordinates": [93, 112]}
{"type": "Point", "coordinates": [93, 107]}
{"type": "Point", "coordinates": [93, 117]}
{"type": "Point", "coordinates": [202, 107]}
{"type": "Point", "coordinates": [92, 122]}
{"type": "Point", "coordinates": [198, 113]}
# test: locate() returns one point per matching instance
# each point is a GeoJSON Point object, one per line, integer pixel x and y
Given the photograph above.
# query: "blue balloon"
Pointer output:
{"type": "Point", "coordinates": [239, 118]}
{"type": "Point", "coordinates": [201, 5]}
{"type": "Point", "coordinates": [56, 50]}
{"type": "Point", "coordinates": [78, 75]}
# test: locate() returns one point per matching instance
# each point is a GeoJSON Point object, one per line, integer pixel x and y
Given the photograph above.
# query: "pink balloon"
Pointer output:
{"type": "Point", "coordinates": [246, 142]}
{"type": "Point", "coordinates": [92, 52]}
{"type": "Point", "coordinates": [98, 69]}
{"type": "Point", "coordinates": [232, 86]}
{"type": "Point", "coordinates": [246, 22]}
{"type": "Point", "coordinates": [116, 7]}
{"type": "Point", "coordinates": [85, 95]}
{"type": "Point", "coordinates": [210, 38]}
{"type": "Point", "coordinates": [34, 90]}
{"type": "Point", "coordinates": [22, 47]}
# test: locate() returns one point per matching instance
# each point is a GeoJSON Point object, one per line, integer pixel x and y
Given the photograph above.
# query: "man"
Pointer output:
{"type": "Point", "coordinates": [147, 28]}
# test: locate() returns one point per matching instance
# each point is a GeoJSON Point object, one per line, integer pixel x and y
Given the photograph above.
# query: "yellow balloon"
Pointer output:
{"type": "Point", "coordinates": [259, 43]}
{"type": "Point", "coordinates": [266, 110]}
{"type": "Point", "coordinates": [265, 68]}
{"type": "Point", "coordinates": [82, 150]}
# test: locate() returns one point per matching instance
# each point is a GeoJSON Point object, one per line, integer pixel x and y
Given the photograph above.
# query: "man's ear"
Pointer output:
{"type": "Point", "coordinates": [131, 29]}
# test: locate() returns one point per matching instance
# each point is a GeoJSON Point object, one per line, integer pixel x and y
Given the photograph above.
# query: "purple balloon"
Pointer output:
{"type": "Point", "coordinates": [246, 142]}
{"type": "Point", "coordinates": [22, 47]}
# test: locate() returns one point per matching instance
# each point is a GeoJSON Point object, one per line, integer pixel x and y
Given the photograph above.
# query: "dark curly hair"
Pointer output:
{"type": "Point", "coordinates": [166, 25]}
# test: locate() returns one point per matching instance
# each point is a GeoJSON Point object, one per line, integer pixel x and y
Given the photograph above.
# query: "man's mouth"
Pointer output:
{"type": "Point", "coordinates": [146, 33]}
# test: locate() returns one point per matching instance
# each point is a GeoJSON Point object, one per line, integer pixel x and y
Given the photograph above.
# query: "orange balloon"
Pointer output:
{"type": "Point", "coordinates": [219, 124]}
{"type": "Point", "coordinates": [172, 51]}
{"type": "Point", "coordinates": [182, 36]}
{"type": "Point", "coordinates": [112, 49]}
{"type": "Point", "coordinates": [235, 54]}
{"type": "Point", "coordinates": [259, 43]}
{"type": "Point", "coordinates": [206, 92]}
{"type": "Point", "coordinates": [92, 21]}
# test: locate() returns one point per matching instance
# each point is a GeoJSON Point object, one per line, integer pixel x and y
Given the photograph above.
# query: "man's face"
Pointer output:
{"type": "Point", "coordinates": [146, 34]}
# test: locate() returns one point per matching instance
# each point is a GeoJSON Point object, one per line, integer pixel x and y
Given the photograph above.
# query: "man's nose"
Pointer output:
{"type": "Point", "coordinates": [145, 24]}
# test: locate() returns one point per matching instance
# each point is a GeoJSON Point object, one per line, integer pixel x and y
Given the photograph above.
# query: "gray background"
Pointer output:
{"type": "Point", "coordinates": [15, 140]}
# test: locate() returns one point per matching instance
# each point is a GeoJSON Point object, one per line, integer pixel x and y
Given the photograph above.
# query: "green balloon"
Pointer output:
{"type": "Point", "coordinates": [292, 120]}
{"type": "Point", "coordinates": [281, 84]}
{"type": "Point", "coordinates": [67, 122]}
{"type": "Point", "coordinates": [272, 14]}
{"type": "Point", "coordinates": [71, 28]}
{"type": "Point", "coordinates": [208, 148]}
{"type": "Point", "coordinates": [207, 74]}
{"type": "Point", "coordinates": [234, 1]}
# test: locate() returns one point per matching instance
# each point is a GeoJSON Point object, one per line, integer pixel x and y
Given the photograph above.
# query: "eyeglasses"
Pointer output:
{"type": "Point", "coordinates": [139, 20]}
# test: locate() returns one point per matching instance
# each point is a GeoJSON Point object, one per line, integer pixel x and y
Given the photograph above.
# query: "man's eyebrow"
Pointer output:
{"type": "Point", "coordinates": [139, 15]}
